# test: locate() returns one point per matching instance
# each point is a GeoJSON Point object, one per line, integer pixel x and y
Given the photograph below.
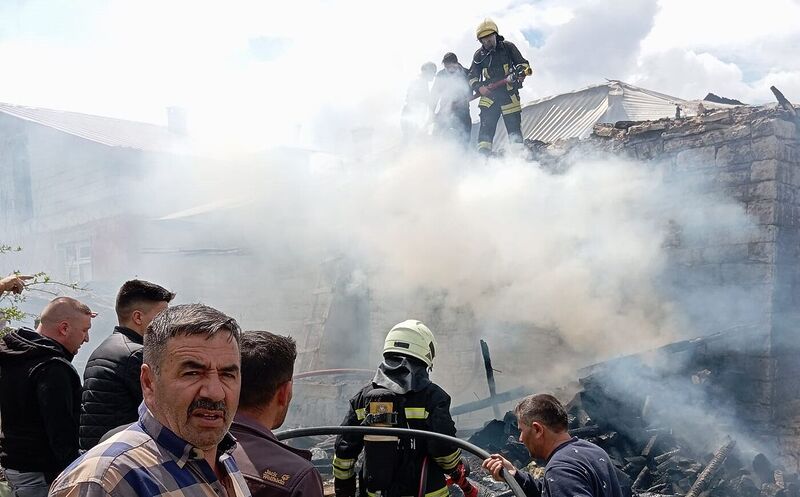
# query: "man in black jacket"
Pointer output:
{"type": "Point", "coordinates": [111, 389]}
{"type": "Point", "coordinates": [496, 60]}
{"type": "Point", "coordinates": [401, 395]}
{"type": "Point", "coordinates": [40, 394]}
{"type": "Point", "coordinates": [451, 92]}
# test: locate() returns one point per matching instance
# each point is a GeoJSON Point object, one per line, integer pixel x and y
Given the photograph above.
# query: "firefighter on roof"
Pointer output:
{"type": "Point", "coordinates": [401, 395]}
{"type": "Point", "coordinates": [496, 60]}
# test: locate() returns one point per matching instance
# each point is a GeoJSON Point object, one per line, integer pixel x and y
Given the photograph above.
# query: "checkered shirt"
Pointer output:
{"type": "Point", "coordinates": [149, 460]}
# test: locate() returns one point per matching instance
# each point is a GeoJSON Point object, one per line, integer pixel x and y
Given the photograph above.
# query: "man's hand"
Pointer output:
{"type": "Point", "coordinates": [495, 463]}
{"type": "Point", "coordinates": [14, 283]}
{"type": "Point", "coordinates": [483, 90]}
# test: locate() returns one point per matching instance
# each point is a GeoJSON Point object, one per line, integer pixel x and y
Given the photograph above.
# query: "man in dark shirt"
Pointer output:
{"type": "Point", "coordinates": [40, 396]}
{"type": "Point", "coordinates": [111, 389]}
{"type": "Point", "coordinates": [451, 92]}
{"type": "Point", "coordinates": [574, 468]}
{"type": "Point", "coordinates": [270, 468]}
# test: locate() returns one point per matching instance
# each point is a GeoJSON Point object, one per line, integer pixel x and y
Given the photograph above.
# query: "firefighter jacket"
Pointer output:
{"type": "Point", "coordinates": [403, 383]}
{"type": "Point", "coordinates": [488, 67]}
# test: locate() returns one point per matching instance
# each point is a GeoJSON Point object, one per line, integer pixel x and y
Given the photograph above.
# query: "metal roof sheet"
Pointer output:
{"type": "Point", "coordinates": [105, 130]}
{"type": "Point", "coordinates": [572, 115]}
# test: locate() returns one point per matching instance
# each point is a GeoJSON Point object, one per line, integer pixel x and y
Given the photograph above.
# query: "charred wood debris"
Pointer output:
{"type": "Point", "coordinates": [652, 459]}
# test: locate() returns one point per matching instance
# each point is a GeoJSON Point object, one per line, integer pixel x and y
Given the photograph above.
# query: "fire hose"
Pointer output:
{"type": "Point", "coordinates": [332, 372]}
{"type": "Point", "coordinates": [400, 432]}
{"type": "Point", "coordinates": [513, 77]}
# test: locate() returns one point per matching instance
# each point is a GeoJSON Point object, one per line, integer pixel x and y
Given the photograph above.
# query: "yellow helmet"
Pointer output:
{"type": "Point", "coordinates": [411, 338]}
{"type": "Point", "coordinates": [486, 28]}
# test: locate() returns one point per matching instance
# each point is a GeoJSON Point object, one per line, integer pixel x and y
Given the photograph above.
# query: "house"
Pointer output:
{"type": "Point", "coordinates": [65, 182]}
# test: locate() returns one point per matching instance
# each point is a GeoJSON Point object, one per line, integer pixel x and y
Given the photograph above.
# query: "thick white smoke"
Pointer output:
{"type": "Point", "coordinates": [582, 253]}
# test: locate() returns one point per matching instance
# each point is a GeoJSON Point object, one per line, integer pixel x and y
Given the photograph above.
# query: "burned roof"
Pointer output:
{"type": "Point", "coordinates": [573, 114]}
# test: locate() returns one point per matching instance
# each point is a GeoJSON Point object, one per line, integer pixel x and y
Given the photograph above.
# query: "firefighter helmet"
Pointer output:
{"type": "Point", "coordinates": [486, 28]}
{"type": "Point", "coordinates": [411, 338]}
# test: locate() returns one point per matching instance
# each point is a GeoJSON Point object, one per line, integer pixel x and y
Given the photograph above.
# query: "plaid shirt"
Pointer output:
{"type": "Point", "coordinates": [149, 460]}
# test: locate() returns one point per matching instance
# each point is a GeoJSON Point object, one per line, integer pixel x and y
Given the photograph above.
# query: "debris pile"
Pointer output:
{"type": "Point", "coordinates": [674, 421]}
{"type": "Point", "coordinates": [652, 461]}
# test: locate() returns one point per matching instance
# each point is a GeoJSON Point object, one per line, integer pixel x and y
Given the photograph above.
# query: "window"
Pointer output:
{"type": "Point", "coordinates": [78, 261]}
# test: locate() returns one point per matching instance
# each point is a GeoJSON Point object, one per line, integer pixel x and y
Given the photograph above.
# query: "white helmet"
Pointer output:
{"type": "Point", "coordinates": [412, 338]}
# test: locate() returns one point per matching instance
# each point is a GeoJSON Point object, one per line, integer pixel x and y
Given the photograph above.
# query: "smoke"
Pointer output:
{"type": "Point", "coordinates": [516, 243]}
{"type": "Point", "coordinates": [673, 390]}
{"type": "Point", "coordinates": [563, 269]}
{"type": "Point", "coordinates": [582, 254]}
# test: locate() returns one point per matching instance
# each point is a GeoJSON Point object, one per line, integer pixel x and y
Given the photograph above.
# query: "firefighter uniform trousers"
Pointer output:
{"type": "Point", "coordinates": [508, 106]}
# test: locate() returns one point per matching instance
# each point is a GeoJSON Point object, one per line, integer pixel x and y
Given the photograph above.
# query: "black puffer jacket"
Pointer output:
{"type": "Point", "coordinates": [39, 399]}
{"type": "Point", "coordinates": [111, 389]}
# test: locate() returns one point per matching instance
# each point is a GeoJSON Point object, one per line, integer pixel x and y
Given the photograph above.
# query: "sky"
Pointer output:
{"type": "Point", "coordinates": [259, 74]}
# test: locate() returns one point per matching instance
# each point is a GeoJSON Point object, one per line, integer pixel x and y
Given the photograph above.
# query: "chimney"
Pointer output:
{"type": "Point", "coordinates": [176, 120]}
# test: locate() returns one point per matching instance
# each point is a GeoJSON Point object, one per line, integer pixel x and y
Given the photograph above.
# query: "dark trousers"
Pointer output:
{"type": "Point", "coordinates": [455, 125]}
{"type": "Point", "coordinates": [27, 484]}
{"type": "Point", "coordinates": [489, 117]}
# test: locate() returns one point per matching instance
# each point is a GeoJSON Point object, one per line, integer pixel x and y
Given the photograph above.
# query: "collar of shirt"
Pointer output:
{"type": "Point", "coordinates": [132, 335]}
{"type": "Point", "coordinates": [253, 425]}
{"type": "Point", "coordinates": [570, 441]}
{"type": "Point", "coordinates": [181, 450]}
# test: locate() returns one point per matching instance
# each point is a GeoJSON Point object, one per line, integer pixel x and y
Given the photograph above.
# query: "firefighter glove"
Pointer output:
{"type": "Point", "coordinates": [458, 476]}
{"type": "Point", "coordinates": [470, 490]}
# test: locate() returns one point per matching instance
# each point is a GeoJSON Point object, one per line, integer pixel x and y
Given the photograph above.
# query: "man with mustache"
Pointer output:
{"type": "Point", "coordinates": [180, 446]}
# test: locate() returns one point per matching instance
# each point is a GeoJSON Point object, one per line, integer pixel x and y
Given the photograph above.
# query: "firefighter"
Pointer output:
{"type": "Point", "coordinates": [497, 59]}
{"type": "Point", "coordinates": [401, 395]}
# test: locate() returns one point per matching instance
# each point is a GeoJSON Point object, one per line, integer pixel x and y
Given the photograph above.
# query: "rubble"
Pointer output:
{"type": "Point", "coordinates": [652, 461]}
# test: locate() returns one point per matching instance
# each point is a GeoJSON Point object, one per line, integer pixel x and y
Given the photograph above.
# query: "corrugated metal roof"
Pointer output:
{"type": "Point", "coordinates": [572, 115]}
{"type": "Point", "coordinates": [105, 130]}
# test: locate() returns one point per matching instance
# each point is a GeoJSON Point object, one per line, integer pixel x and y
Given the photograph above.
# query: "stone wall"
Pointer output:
{"type": "Point", "coordinates": [750, 155]}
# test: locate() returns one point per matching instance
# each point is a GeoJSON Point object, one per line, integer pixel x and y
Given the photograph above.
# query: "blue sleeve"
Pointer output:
{"type": "Point", "coordinates": [530, 485]}
{"type": "Point", "coordinates": [566, 481]}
